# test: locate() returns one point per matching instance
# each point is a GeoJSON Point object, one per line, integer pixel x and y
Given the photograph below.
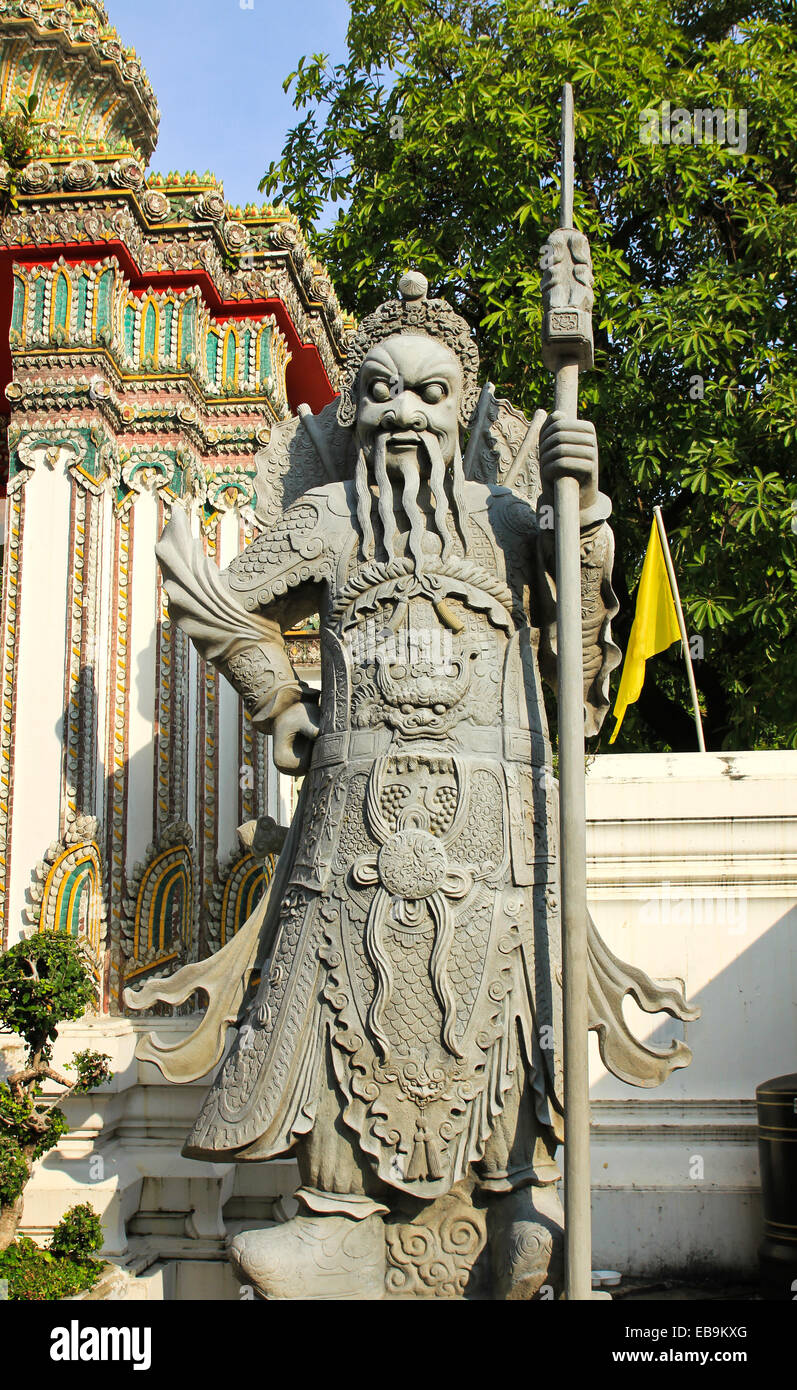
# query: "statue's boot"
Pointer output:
{"type": "Point", "coordinates": [313, 1256]}
{"type": "Point", "coordinates": [526, 1237]}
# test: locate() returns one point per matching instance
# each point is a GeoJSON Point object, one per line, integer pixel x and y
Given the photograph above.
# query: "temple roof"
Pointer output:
{"type": "Point", "coordinates": [86, 194]}
{"type": "Point", "coordinates": [94, 96]}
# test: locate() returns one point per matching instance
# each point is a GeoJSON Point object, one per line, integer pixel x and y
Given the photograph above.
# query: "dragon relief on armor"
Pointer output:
{"type": "Point", "coordinates": [420, 698]}
{"type": "Point", "coordinates": [422, 681]}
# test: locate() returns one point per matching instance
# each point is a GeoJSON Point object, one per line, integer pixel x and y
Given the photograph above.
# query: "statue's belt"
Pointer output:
{"type": "Point", "coordinates": [476, 741]}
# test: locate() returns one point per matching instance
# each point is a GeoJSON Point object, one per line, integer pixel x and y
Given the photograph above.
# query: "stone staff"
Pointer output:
{"type": "Point", "coordinates": [567, 346]}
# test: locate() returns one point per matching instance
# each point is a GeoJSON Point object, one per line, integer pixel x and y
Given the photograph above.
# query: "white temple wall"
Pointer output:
{"type": "Point", "coordinates": [39, 690]}
{"type": "Point", "coordinates": [693, 872]}
{"type": "Point", "coordinates": [141, 707]}
{"type": "Point", "coordinates": [191, 765]}
{"type": "Point", "coordinates": [229, 706]}
{"type": "Point", "coordinates": [102, 667]}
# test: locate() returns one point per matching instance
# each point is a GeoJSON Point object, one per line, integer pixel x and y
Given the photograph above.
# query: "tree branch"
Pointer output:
{"type": "Point", "coordinates": [22, 1078]}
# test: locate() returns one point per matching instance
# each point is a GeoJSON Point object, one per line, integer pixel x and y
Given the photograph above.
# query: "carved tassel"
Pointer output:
{"type": "Point", "coordinates": [425, 1161]}
{"type": "Point", "coordinates": [416, 1167]}
{"type": "Point", "coordinates": [434, 1166]}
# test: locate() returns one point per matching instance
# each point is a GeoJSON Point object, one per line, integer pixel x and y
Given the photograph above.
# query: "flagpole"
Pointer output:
{"type": "Point", "coordinates": [665, 546]}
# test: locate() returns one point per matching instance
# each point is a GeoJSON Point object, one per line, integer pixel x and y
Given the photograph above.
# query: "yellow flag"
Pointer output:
{"type": "Point", "coordinates": [655, 627]}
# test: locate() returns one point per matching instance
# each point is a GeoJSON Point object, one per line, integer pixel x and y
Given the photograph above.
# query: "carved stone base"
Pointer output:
{"type": "Point", "coordinates": [313, 1257]}
{"type": "Point", "coordinates": [506, 1247]}
{"type": "Point", "coordinates": [526, 1240]}
{"type": "Point", "coordinates": [434, 1253]}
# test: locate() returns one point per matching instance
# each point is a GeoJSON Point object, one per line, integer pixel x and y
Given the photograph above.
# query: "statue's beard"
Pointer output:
{"type": "Point", "coordinates": [426, 464]}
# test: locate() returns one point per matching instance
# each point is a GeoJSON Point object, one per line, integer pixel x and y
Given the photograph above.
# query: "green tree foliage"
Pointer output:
{"type": "Point", "coordinates": [43, 982]}
{"type": "Point", "coordinates": [19, 141]}
{"type": "Point", "coordinates": [439, 138]}
{"type": "Point", "coordinates": [13, 1170]}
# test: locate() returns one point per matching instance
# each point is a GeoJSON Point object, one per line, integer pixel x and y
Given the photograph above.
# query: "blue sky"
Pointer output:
{"type": "Point", "coordinates": [217, 70]}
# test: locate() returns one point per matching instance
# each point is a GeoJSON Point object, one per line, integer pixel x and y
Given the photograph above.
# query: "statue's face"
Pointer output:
{"type": "Point", "coordinates": [409, 384]}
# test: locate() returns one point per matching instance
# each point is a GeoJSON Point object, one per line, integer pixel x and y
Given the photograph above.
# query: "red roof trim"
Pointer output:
{"type": "Point", "coordinates": [306, 377]}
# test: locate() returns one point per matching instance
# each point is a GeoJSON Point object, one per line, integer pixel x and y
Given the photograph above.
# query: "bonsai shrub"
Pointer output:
{"type": "Point", "coordinates": [34, 1275]}
{"type": "Point", "coordinates": [78, 1233]}
{"type": "Point", "coordinates": [44, 981]}
{"type": "Point", "coordinates": [66, 1268]}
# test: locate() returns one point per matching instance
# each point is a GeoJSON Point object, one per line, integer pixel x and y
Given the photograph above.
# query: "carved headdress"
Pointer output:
{"type": "Point", "coordinates": [412, 313]}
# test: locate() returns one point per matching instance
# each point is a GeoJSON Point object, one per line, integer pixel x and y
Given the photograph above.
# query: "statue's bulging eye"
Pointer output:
{"type": "Point", "coordinates": [380, 390]}
{"type": "Point", "coordinates": [433, 392]}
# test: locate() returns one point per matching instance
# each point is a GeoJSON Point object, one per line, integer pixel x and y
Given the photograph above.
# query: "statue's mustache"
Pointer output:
{"type": "Point", "coordinates": [427, 436]}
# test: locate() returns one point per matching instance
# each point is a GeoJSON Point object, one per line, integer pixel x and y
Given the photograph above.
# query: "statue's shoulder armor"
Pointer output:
{"type": "Point", "coordinates": [503, 517]}
{"type": "Point", "coordinates": [503, 537]}
{"type": "Point", "coordinates": [510, 514]}
{"type": "Point", "coordinates": [299, 548]}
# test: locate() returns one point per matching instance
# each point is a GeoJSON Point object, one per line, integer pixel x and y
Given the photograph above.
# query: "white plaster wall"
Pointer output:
{"type": "Point", "coordinates": [102, 666]}
{"type": "Point", "coordinates": [229, 702]}
{"type": "Point", "coordinates": [141, 711]}
{"type": "Point", "coordinates": [288, 789]}
{"type": "Point", "coordinates": [39, 688]}
{"type": "Point", "coordinates": [693, 873]}
{"type": "Point", "coordinates": [192, 753]}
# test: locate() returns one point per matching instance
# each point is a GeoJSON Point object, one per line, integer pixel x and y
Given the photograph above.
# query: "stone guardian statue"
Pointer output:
{"type": "Point", "coordinates": [404, 1040]}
